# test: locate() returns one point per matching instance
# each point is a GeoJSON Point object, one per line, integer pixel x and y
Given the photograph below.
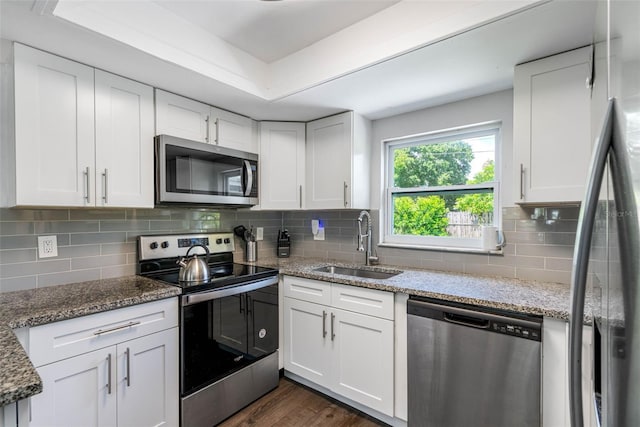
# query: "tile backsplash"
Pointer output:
{"type": "Point", "coordinates": [101, 243]}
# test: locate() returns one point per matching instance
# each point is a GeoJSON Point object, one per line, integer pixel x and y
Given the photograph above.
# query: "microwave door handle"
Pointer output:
{"type": "Point", "coordinates": [249, 184]}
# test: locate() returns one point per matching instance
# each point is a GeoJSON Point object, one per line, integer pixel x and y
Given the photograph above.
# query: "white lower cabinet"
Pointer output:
{"type": "Point", "coordinates": [334, 337]}
{"type": "Point", "coordinates": [133, 382]}
{"type": "Point", "coordinates": [76, 392]}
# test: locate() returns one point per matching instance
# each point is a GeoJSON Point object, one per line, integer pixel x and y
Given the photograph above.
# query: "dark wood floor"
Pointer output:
{"type": "Point", "coordinates": [292, 404]}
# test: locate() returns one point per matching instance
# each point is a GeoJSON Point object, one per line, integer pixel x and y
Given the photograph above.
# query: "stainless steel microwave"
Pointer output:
{"type": "Point", "coordinates": [199, 174]}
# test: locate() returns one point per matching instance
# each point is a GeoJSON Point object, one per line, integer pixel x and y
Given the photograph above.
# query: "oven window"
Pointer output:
{"type": "Point", "coordinates": [224, 335]}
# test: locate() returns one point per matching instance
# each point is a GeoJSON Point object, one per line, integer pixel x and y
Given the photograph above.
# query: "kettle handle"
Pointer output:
{"type": "Point", "coordinates": [202, 246]}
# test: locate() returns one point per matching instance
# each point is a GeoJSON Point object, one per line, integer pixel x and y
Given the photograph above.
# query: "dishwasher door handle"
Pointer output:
{"type": "Point", "coordinates": [466, 320]}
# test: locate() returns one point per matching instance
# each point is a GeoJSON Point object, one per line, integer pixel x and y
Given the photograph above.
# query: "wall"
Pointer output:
{"type": "Point", "coordinates": [100, 243]}
{"type": "Point", "coordinates": [94, 244]}
{"type": "Point", "coordinates": [493, 107]}
{"type": "Point", "coordinates": [539, 243]}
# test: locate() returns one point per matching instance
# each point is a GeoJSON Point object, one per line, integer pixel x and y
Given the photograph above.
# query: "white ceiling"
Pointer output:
{"type": "Point", "coordinates": [272, 30]}
{"type": "Point", "coordinates": [380, 58]}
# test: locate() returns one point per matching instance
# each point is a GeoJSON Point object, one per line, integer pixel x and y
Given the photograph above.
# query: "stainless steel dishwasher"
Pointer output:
{"type": "Point", "coordinates": [472, 367]}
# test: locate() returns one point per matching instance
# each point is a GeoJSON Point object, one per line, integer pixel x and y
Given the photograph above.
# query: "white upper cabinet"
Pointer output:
{"type": "Point", "coordinates": [337, 162]}
{"type": "Point", "coordinates": [233, 131]}
{"type": "Point", "coordinates": [182, 117]}
{"type": "Point", "coordinates": [79, 140]}
{"type": "Point", "coordinates": [189, 119]}
{"type": "Point", "coordinates": [54, 131]}
{"type": "Point", "coordinates": [124, 142]}
{"type": "Point", "coordinates": [551, 122]}
{"type": "Point", "coordinates": [282, 165]}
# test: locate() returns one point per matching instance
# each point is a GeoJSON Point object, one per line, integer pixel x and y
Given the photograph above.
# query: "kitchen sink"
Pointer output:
{"type": "Point", "coordinates": [357, 272]}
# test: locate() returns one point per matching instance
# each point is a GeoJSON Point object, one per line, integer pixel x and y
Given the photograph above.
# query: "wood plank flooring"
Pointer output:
{"type": "Point", "coordinates": [292, 404]}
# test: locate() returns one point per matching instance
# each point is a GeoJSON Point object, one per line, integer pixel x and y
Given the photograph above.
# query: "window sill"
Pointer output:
{"type": "Point", "coordinates": [442, 248]}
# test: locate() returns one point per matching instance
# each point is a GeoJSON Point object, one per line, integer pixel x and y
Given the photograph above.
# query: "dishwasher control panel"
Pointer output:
{"type": "Point", "coordinates": [515, 329]}
{"type": "Point", "coordinates": [507, 323]}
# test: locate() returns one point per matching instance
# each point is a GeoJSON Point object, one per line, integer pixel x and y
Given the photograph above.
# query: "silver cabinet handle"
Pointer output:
{"type": "Point", "coordinates": [324, 323]}
{"type": "Point", "coordinates": [105, 186]}
{"type": "Point", "coordinates": [582, 248]}
{"type": "Point", "coordinates": [333, 335]}
{"type": "Point", "coordinates": [521, 181]}
{"type": "Point", "coordinates": [109, 374]}
{"type": "Point", "coordinates": [206, 131]}
{"type": "Point", "coordinates": [128, 362]}
{"type": "Point", "coordinates": [217, 131]}
{"type": "Point", "coordinates": [86, 184]}
{"type": "Point", "coordinates": [300, 197]}
{"type": "Point", "coordinates": [116, 328]}
{"type": "Point", "coordinates": [346, 203]}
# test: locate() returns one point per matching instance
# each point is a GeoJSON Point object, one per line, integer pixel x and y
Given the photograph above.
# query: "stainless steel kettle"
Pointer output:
{"type": "Point", "coordinates": [194, 269]}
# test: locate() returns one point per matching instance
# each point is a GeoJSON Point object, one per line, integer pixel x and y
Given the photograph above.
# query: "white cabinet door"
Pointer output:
{"type": "Point", "coordinates": [338, 158]}
{"type": "Point", "coordinates": [124, 142]}
{"type": "Point", "coordinates": [54, 130]}
{"type": "Point", "coordinates": [551, 122]}
{"type": "Point", "coordinates": [147, 380]}
{"type": "Point", "coordinates": [363, 359]}
{"type": "Point", "coordinates": [233, 131]}
{"type": "Point", "coordinates": [80, 391]}
{"type": "Point", "coordinates": [182, 117]}
{"type": "Point", "coordinates": [282, 160]}
{"type": "Point", "coordinates": [328, 162]}
{"type": "Point", "coordinates": [307, 342]}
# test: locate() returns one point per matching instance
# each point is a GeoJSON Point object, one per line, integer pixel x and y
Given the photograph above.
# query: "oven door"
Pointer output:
{"type": "Point", "coordinates": [197, 173]}
{"type": "Point", "coordinates": [225, 333]}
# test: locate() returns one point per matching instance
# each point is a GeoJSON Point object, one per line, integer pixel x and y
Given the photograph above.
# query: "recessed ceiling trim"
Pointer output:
{"type": "Point", "coordinates": [395, 30]}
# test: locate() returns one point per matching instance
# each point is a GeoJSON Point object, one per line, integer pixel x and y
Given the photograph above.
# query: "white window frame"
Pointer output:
{"type": "Point", "coordinates": [388, 238]}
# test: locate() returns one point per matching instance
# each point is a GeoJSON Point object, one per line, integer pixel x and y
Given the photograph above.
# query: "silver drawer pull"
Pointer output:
{"type": "Point", "coordinates": [109, 374]}
{"type": "Point", "coordinates": [128, 378]}
{"type": "Point", "coordinates": [115, 328]}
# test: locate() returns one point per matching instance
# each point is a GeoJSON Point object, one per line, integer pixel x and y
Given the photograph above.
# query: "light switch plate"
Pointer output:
{"type": "Point", "coordinates": [47, 246]}
{"type": "Point", "coordinates": [259, 233]}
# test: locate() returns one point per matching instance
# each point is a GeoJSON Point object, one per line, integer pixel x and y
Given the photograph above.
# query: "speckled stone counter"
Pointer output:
{"type": "Point", "coordinates": [539, 298]}
{"type": "Point", "coordinates": [18, 378]}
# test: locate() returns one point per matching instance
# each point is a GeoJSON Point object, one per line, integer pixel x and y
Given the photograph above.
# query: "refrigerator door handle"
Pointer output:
{"type": "Point", "coordinates": [581, 263]}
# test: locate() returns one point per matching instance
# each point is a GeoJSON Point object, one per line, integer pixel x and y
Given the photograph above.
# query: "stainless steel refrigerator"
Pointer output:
{"type": "Point", "coordinates": [606, 266]}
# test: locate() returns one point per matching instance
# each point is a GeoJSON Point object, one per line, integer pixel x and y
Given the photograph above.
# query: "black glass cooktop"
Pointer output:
{"type": "Point", "coordinates": [221, 276]}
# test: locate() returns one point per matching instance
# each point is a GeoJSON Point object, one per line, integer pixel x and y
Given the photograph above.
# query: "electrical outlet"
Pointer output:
{"type": "Point", "coordinates": [47, 246]}
{"type": "Point", "coordinates": [317, 228]}
{"type": "Point", "coordinates": [259, 233]}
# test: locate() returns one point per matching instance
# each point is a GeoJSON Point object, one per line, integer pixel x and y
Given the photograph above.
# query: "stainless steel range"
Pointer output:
{"type": "Point", "coordinates": [228, 323]}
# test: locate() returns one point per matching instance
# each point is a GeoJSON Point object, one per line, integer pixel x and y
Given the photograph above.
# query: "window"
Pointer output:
{"type": "Point", "coordinates": [441, 187]}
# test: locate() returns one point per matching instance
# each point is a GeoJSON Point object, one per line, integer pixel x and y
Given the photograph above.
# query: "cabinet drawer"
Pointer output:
{"type": "Point", "coordinates": [59, 340]}
{"type": "Point", "coordinates": [363, 300]}
{"type": "Point", "coordinates": [307, 290]}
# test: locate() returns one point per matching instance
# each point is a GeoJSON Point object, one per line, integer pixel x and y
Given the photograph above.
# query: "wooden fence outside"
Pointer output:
{"type": "Point", "coordinates": [467, 225]}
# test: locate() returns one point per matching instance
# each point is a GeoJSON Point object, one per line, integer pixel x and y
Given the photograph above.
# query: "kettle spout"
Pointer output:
{"type": "Point", "coordinates": [181, 262]}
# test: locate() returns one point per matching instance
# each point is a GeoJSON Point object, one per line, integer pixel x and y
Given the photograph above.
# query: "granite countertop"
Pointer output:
{"type": "Point", "coordinates": [522, 296]}
{"type": "Point", "coordinates": [18, 377]}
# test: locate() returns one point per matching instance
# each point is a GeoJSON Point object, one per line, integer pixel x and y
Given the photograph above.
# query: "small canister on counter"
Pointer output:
{"type": "Point", "coordinates": [251, 252]}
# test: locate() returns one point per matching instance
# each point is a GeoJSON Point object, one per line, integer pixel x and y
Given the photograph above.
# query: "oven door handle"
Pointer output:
{"type": "Point", "coordinates": [195, 298]}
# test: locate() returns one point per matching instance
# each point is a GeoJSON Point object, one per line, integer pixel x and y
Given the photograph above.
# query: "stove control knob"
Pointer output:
{"type": "Point", "coordinates": [227, 240]}
{"type": "Point", "coordinates": [164, 245]}
{"type": "Point", "coordinates": [154, 245]}
{"type": "Point", "coordinates": [218, 241]}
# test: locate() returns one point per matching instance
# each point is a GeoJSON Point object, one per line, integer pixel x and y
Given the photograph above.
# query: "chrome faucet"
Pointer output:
{"type": "Point", "coordinates": [364, 214]}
